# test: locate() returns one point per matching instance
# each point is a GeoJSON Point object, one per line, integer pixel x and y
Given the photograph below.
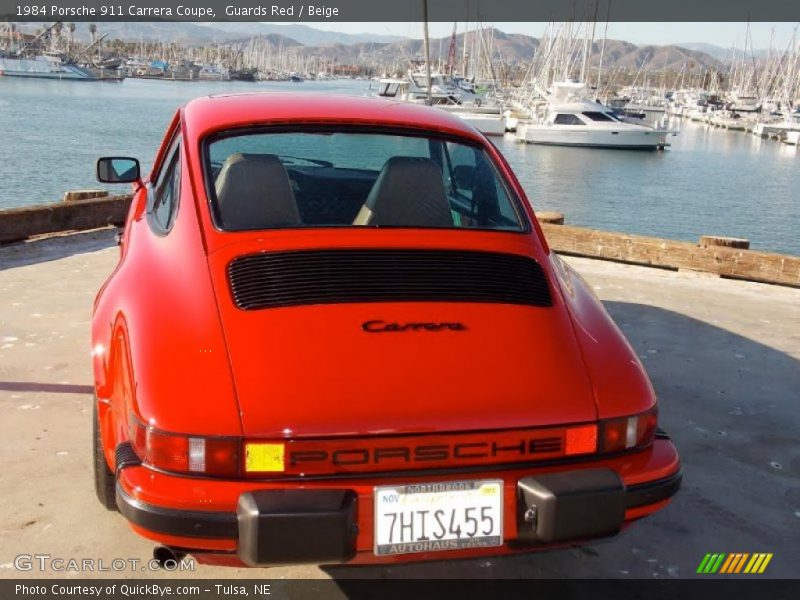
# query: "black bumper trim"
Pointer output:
{"type": "Point", "coordinates": [224, 525]}
{"type": "Point", "coordinates": [297, 526]}
{"type": "Point", "coordinates": [651, 492]}
{"type": "Point", "coordinates": [172, 521]}
{"type": "Point", "coordinates": [569, 505]}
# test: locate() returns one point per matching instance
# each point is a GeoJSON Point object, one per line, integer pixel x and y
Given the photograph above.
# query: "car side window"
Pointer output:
{"type": "Point", "coordinates": [462, 163]}
{"type": "Point", "coordinates": [473, 179]}
{"type": "Point", "coordinates": [166, 191]}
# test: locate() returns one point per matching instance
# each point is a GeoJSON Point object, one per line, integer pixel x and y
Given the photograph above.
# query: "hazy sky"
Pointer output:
{"type": "Point", "coordinates": [721, 34]}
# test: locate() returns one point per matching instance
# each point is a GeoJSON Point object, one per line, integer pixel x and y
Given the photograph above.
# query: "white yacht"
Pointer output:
{"type": "Point", "coordinates": [568, 121]}
{"type": "Point", "coordinates": [590, 124]}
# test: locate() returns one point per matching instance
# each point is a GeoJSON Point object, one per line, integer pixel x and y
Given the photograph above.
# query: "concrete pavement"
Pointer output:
{"type": "Point", "coordinates": [724, 357]}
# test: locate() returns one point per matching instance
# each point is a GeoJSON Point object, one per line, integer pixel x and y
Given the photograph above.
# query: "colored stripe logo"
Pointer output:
{"type": "Point", "coordinates": [737, 562]}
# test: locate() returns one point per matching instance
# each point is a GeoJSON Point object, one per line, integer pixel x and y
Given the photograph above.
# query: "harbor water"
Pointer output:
{"type": "Point", "coordinates": [710, 181]}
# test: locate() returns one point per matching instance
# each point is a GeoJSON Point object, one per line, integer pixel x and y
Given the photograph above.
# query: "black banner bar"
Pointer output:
{"type": "Point", "coordinates": [298, 11]}
{"type": "Point", "coordinates": [740, 588]}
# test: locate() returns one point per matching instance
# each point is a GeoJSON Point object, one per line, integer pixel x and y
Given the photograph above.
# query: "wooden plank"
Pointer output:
{"type": "Point", "coordinates": [727, 242]}
{"type": "Point", "coordinates": [546, 216]}
{"type": "Point", "coordinates": [84, 195]}
{"type": "Point", "coordinates": [641, 250]}
{"type": "Point", "coordinates": [18, 224]}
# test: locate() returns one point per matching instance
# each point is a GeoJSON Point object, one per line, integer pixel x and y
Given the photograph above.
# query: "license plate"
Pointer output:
{"type": "Point", "coordinates": [428, 517]}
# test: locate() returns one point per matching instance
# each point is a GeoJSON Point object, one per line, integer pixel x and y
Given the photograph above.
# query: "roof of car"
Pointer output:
{"type": "Point", "coordinates": [228, 111]}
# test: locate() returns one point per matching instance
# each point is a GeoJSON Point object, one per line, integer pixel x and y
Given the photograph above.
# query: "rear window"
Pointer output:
{"type": "Point", "coordinates": [271, 180]}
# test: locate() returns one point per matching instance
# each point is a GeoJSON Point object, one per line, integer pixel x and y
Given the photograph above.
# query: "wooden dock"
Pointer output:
{"type": "Point", "coordinates": [713, 258]}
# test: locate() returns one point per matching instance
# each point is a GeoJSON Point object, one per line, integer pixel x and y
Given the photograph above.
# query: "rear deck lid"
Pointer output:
{"type": "Point", "coordinates": [372, 341]}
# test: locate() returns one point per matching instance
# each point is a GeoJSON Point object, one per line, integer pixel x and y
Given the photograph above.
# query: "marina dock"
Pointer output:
{"type": "Point", "coordinates": [724, 357]}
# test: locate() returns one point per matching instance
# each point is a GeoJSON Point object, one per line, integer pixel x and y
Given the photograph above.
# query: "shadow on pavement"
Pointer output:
{"type": "Point", "coordinates": [731, 406]}
{"type": "Point", "coordinates": [52, 248]}
{"type": "Point", "coordinates": [49, 388]}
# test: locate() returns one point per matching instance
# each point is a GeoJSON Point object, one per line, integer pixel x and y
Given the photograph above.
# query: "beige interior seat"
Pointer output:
{"type": "Point", "coordinates": [254, 192]}
{"type": "Point", "coordinates": [409, 192]}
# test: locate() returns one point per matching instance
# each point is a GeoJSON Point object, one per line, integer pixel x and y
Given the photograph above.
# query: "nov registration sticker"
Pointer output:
{"type": "Point", "coordinates": [429, 517]}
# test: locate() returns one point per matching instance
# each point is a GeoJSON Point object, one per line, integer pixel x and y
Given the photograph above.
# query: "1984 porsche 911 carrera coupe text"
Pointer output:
{"type": "Point", "coordinates": [336, 334]}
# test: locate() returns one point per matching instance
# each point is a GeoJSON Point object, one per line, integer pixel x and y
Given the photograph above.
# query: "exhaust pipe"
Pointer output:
{"type": "Point", "coordinates": [167, 557]}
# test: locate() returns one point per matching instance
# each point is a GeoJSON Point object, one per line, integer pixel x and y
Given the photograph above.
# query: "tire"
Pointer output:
{"type": "Point", "coordinates": [105, 483]}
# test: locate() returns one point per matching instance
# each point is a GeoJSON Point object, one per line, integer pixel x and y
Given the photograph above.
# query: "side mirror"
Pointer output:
{"type": "Point", "coordinates": [118, 169]}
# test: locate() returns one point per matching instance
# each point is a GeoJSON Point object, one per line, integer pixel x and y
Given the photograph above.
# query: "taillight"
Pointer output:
{"type": "Point", "coordinates": [179, 453]}
{"type": "Point", "coordinates": [628, 432]}
{"type": "Point", "coordinates": [165, 451]}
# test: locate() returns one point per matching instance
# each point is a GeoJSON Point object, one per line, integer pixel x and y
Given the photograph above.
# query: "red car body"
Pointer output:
{"type": "Point", "coordinates": [356, 395]}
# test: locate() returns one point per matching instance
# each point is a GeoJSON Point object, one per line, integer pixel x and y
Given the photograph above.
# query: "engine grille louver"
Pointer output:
{"type": "Point", "coordinates": [279, 279]}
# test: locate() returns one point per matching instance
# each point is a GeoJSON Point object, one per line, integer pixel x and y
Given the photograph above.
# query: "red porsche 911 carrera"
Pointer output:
{"type": "Point", "coordinates": [336, 333]}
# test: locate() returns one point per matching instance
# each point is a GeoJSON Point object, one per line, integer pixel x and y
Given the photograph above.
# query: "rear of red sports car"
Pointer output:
{"type": "Point", "coordinates": [336, 333]}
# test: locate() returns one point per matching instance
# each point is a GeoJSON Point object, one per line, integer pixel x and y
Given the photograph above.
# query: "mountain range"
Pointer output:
{"type": "Point", "coordinates": [345, 48]}
{"type": "Point", "coordinates": [520, 48]}
{"type": "Point", "coordinates": [727, 54]}
{"type": "Point", "coordinates": [218, 32]}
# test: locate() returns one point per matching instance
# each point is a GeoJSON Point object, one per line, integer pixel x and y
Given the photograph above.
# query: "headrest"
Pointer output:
{"type": "Point", "coordinates": [409, 192]}
{"type": "Point", "coordinates": [254, 192]}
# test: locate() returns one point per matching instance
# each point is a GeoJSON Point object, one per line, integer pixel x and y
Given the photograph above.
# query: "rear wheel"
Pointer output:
{"type": "Point", "coordinates": [105, 483]}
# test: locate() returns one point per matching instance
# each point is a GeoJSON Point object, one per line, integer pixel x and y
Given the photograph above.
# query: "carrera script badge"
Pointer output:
{"type": "Point", "coordinates": [378, 326]}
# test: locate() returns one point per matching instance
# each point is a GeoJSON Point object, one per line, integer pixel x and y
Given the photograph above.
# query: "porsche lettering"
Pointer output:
{"type": "Point", "coordinates": [434, 452]}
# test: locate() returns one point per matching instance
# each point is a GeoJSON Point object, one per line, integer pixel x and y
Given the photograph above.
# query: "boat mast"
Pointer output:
{"type": "Point", "coordinates": [603, 50]}
{"type": "Point", "coordinates": [587, 46]}
{"type": "Point", "coordinates": [426, 43]}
